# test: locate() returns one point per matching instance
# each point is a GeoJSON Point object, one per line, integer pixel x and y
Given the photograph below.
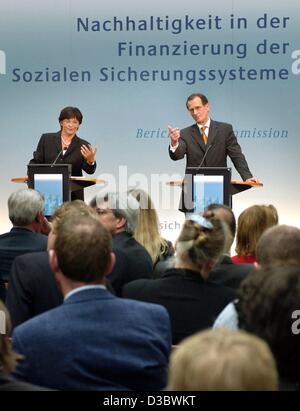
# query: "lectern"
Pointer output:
{"type": "Point", "coordinates": [53, 181]}
{"type": "Point", "coordinates": [205, 185]}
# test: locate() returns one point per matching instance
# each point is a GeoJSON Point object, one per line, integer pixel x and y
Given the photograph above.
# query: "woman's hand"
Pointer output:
{"type": "Point", "coordinates": [89, 154]}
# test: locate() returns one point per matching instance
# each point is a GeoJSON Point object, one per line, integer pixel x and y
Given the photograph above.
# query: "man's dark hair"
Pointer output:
{"type": "Point", "coordinates": [267, 300]}
{"type": "Point", "coordinates": [227, 216]}
{"type": "Point", "coordinates": [279, 245]}
{"type": "Point", "coordinates": [192, 96]}
{"type": "Point", "coordinates": [83, 248]}
{"type": "Point", "coordinates": [70, 112]}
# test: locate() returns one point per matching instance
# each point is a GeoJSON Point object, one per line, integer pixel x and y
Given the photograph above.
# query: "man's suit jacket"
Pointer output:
{"type": "Point", "coordinates": [229, 274]}
{"type": "Point", "coordinates": [17, 242]}
{"type": "Point", "coordinates": [132, 261]}
{"type": "Point", "coordinates": [48, 150]}
{"type": "Point", "coordinates": [96, 341]}
{"type": "Point", "coordinates": [223, 143]}
{"type": "Point", "coordinates": [32, 288]}
{"type": "Point", "coordinates": [193, 304]}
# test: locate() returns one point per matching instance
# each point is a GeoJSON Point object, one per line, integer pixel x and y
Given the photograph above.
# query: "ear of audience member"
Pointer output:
{"type": "Point", "coordinates": [222, 360]}
{"type": "Point", "coordinates": [96, 340]}
{"type": "Point", "coordinates": [252, 222]}
{"type": "Point", "coordinates": [268, 300]}
{"type": "Point", "coordinates": [192, 300]}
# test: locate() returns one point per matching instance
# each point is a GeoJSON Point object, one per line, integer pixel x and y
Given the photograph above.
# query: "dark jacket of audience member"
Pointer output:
{"type": "Point", "coordinates": [192, 300]}
{"type": "Point", "coordinates": [32, 288]}
{"type": "Point", "coordinates": [132, 262]}
{"type": "Point", "coordinates": [193, 303]}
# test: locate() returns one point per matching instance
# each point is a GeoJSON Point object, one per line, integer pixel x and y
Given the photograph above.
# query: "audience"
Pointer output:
{"type": "Point", "coordinates": [222, 360]}
{"type": "Point", "coordinates": [25, 208]}
{"type": "Point", "coordinates": [252, 222]}
{"type": "Point", "coordinates": [119, 213]}
{"type": "Point", "coordinates": [98, 341]}
{"type": "Point", "coordinates": [226, 272]}
{"type": "Point", "coordinates": [32, 287]}
{"type": "Point", "coordinates": [94, 341]}
{"type": "Point", "coordinates": [268, 300]}
{"type": "Point", "coordinates": [192, 300]}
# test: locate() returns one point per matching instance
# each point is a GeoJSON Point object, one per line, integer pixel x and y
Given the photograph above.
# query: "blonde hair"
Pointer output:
{"type": "Point", "coordinates": [200, 244]}
{"type": "Point", "coordinates": [147, 230]}
{"type": "Point", "coordinates": [252, 222]}
{"type": "Point", "coordinates": [8, 359]}
{"type": "Point", "coordinates": [222, 359]}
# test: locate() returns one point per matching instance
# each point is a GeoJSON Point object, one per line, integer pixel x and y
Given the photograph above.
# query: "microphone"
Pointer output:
{"type": "Point", "coordinates": [205, 154]}
{"type": "Point", "coordinates": [59, 154]}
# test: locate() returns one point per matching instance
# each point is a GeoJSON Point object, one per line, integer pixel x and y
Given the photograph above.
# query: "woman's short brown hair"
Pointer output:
{"type": "Point", "coordinates": [70, 112]}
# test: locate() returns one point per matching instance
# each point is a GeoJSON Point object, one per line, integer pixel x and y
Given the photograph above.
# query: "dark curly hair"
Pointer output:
{"type": "Point", "coordinates": [267, 300]}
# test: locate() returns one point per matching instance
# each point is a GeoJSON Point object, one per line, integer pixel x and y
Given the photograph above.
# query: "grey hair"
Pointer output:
{"type": "Point", "coordinates": [123, 205]}
{"type": "Point", "coordinates": [24, 205]}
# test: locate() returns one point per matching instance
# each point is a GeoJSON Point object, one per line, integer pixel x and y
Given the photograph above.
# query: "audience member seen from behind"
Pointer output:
{"type": "Point", "coordinates": [119, 213]}
{"type": "Point", "coordinates": [278, 245]}
{"type": "Point", "coordinates": [32, 289]}
{"type": "Point", "coordinates": [226, 272]}
{"type": "Point", "coordinates": [268, 307]}
{"type": "Point", "coordinates": [252, 222]}
{"type": "Point", "coordinates": [222, 360]}
{"type": "Point", "coordinates": [25, 209]}
{"type": "Point", "coordinates": [147, 233]}
{"type": "Point", "coordinates": [192, 300]}
{"type": "Point", "coordinates": [95, 340]}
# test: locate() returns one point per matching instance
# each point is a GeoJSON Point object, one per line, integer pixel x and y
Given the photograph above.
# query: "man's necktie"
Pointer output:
{"type": "Point", "coordinates": [204, 136]}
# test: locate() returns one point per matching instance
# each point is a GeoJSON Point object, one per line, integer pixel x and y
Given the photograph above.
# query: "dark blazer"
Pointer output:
{"type": "Point", "coordinates": [132, 261]}
{"type": "Point", "coordinates": [32, 288]}
{"type": "Point", "coordinates": [193, 304]}
{"type": "Point", "coordinates": [18, 241]}
{"type": "Point", "coordinates": [229, 274]}
{"type": "Point", "coordinates": [96, 341]}
{"type": "Point", "coordinates": [223, 141]}
{"type": "Point", "coordinates": [49, 148]}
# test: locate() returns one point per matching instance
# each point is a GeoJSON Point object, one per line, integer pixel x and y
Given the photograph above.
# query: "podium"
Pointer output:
{"type": "Point", "coordinates": [207, 185]}
{"type": "Point", "coordinates": [55, 183]}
